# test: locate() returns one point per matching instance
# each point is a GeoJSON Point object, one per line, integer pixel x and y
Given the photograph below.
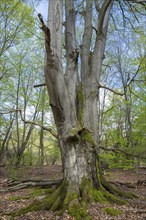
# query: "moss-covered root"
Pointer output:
{"type": "Point", "coordinates": [53, 201]}
{"type": "Point", "coordinates": [76, 202]}
{"type": "Point", "coordinates": [116, 191]}
{"type": "Point", "coordinates": [63, 198]}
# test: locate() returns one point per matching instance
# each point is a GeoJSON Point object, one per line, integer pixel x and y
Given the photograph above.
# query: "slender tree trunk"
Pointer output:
{"type": "Point", "coordinates": [128, 120]}
{"type": "Point", "coordinates": [41, 151]}
{"type": "Point", "coordinates": [23, 145]}
{"type": "Point", "coordinates": [5, 141]}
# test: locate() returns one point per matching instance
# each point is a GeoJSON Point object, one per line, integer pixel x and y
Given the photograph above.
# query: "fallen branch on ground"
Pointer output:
{"type": "Point", "coordinates": [130, 185]}
{"type": "Point", "coordinates": [25, 183]}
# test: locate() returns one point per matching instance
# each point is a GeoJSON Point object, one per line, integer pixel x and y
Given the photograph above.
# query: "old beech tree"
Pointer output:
{"type": "Point", "coordinates": [73, 96]}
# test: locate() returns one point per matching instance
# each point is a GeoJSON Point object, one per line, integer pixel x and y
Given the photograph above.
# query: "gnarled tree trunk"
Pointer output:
{"type": "Point", "coordinates": [73, 95]}
{"type": "Point", "coordinates": [73, 98]}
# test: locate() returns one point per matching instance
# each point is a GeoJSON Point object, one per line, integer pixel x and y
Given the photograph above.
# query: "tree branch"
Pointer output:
{"type": "Point", "coordinates": [136, 1]}
{"type": "Point", "coordinates": [39, 85]}
{"type": "Point", "coordinates": [116, 149]}
{"type": "Point", "coordinates": [102, 13]}
{"type": "Point", "coordinates": [136, 73]}
{"type": "Point", "coordinates": [104, 87]}
{"type": "Point", "coordinates": [97, 5]}
{"type": "Point", "coordinates": [31, 122]}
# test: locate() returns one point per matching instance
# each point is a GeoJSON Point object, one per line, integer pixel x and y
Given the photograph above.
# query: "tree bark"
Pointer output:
{"type": "Point", "coordinates": [73, 98]}
{"type": "Point", "coordinates": [74, 101]}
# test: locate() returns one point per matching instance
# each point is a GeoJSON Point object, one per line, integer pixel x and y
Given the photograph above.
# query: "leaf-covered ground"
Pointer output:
{"type": "Point", "coordinates": [12, 201]}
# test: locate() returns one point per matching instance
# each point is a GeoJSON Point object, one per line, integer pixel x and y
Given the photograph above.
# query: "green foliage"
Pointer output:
{"type": "Point", "coordinates": [17, 20]}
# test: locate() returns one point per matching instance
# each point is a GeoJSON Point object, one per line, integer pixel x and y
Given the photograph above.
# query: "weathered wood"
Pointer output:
{"type": "Point", "coordinates": [18, 185]}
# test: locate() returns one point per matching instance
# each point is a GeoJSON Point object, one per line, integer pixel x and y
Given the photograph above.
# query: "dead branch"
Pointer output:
{"type": "Point", "coordinates": [31, 183]}
{"type": "Point", "coordinates": [46, 32]}
{"type": "Point", "coordinates": [130, 185]}
{"type": "Point", "coordinates": [39, 85]}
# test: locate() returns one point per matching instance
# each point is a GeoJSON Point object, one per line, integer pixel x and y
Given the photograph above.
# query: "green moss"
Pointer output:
{"type": "Point", "coordinates": [64, 198]}
{"type": "Point", "coordinates": [80, 96]}
{"type": "Point", "coordinates": [113, 212]}
{"type": "Point", "coordinates": [117, 191]}
{"type": "Point", "coordinates": [74, 131]}
{"type": "Point", "coordinates": [98, 196]}
{"type": "Point", "coordinates": [76, 210]}
{"type": "Point", "coordinates": [88, 218]}
{"type": "Point", "coordinates": [113, 199]}
{"type": "Point", "coordinates": [87, 136]}
{"type": "Point", "coordinates": [15, 198]}
{"type": "Point", "coordinates": [52, 202]}
{"type": "Point", "coordinates": [69, 197]}
{"type": "Point", "coordinates": [93, 194]}
{"type": "Point", "coordinates": [36, 192]}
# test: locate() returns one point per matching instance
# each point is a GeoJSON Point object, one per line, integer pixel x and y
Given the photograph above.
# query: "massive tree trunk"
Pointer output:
{"type": "Point", "coordinates": [73, 98]}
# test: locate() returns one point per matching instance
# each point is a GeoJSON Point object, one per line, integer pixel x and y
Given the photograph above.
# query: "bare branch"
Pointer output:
{"type": "Point", "coordinates": [136, 73]}
{"type": "Point", "coordinates": [104, 87]}
{"type": "Point", "coordinates": [122, 151]}
{"type": "Point", "coordinates": [97, 5]}
{"type": "Point", "coordinates": [31, 122]}
{"type": "Point", "coordinates": [136, 1]}
{"type": "Point", "coordinates": [46, 32]}
{"type": "Point", "coordinates": [102, 13]}
{"type": "Point", "coordinates": [39, 85]}
{"type": "Point", "coordinates": [136, 95]}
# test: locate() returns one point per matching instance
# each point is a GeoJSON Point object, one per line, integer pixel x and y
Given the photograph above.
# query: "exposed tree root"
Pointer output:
{"type": "Point", "coordinates": [117, 191]}
{"type": "Point", "coordinates": [65, 197]}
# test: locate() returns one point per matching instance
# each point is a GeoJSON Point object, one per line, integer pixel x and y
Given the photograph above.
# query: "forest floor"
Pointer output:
{"type": "Point", "coordinates": [127, 179]}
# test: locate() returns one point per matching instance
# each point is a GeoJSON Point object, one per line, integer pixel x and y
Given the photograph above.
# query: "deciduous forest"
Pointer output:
{"type": "Point", "coordinates": [72, 109]}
